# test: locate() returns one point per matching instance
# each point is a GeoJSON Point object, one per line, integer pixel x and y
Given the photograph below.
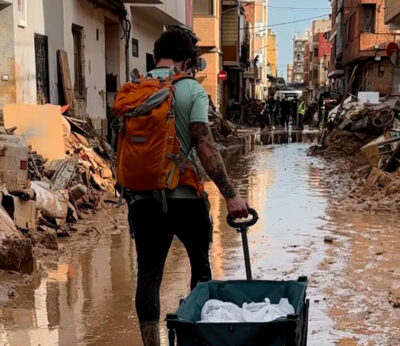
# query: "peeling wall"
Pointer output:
{"type": "Point", "coordinates": [92, 20]}
{"type": "Point", "coordinates": [7, 64]}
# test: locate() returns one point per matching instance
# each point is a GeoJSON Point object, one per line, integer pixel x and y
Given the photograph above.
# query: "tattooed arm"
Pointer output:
{"type": "Point", "coordinates": [213, 164]}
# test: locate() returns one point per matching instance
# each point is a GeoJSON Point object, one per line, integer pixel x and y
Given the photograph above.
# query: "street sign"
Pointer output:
{"type": "Point", "coordinates": [222, 76]}
{"type": "Point", "coordinates": [391, 48]}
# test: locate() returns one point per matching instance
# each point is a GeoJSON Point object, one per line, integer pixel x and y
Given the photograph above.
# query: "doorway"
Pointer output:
{"type": "Point", "coordinates": [42, 69]}
{"type": "Point", "coordinates": [150, 62]}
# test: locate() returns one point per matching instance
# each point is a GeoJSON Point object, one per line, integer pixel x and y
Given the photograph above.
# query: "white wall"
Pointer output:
{"type": "Point", "coordinates": [175, 8]}
{"type": "Point", "coordinates": [25, 65]}
{"type": "Point", "coordinates": [146, 33]}
{"type": "Point", "coordinates": [7, 66]}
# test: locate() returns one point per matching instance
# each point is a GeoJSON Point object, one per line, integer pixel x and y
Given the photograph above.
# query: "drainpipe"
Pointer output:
{"type": "Point", "coordinates": [126, 27]}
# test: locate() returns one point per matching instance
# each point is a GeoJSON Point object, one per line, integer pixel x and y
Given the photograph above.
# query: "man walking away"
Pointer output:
{"type": "Point", "coordinates": [180, 212]}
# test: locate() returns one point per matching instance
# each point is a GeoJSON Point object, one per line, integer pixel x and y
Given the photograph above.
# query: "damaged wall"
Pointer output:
{"type": "Point", "coordinates": [54, 19]}
{"type": "Point", "coordinates": [7, 66]}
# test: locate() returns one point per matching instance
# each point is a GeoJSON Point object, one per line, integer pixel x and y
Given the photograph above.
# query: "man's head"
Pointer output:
{"type": "Point", "coordinates": [178, 46]}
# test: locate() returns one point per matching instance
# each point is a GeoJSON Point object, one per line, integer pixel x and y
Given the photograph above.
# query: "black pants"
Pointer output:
{"type": "Point", "coordinates": [153, 231]}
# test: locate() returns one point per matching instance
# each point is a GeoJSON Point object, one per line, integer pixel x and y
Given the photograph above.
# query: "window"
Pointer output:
{"type": "Point", "coordinates": [204, 7]}
{"type": "Point", "coordinates": [78, 61]}
{"type": "Point", "coordinates": [135, 48]}
{"type": "Point", "coordinates": [367, 22]}
{"type": "Point", "coordinates": [315, 52]}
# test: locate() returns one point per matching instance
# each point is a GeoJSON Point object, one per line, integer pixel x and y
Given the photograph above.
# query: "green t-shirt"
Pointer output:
{"type": "Point", "coordinates": [191, 106]}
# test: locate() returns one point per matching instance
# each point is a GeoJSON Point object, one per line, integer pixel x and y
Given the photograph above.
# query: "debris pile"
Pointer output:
{"type": "Point", "coordinates": [224, 131]}
{"type": "Point", "coordinates": [364, 141]}
{"type": "Point", "coordinates": [40, 198]}
{"type": "Point", "coordinates": [252, 110]}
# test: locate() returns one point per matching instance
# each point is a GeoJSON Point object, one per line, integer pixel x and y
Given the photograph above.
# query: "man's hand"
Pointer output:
{"type": "Point", "coordinates": [237, 207]}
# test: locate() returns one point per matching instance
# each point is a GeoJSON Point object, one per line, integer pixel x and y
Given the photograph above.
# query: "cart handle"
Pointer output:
{"type": "Point", "coordinates": [245, 224]}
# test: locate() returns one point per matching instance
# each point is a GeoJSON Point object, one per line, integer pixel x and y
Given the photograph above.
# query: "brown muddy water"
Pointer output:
{"type": "Point", "coordinates": [86, 297]}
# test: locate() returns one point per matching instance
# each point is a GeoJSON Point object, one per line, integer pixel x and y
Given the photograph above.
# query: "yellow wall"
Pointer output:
{"type": "Point", "coordinates": [272, 53]}
{"type": "Point", "coordinates": [207, 28]}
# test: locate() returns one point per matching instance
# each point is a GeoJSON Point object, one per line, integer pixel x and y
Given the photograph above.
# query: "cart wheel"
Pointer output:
{"type": "Point", "coordinates": [305, 321]}
{"type": "Point", "coordinates": [171, 337]}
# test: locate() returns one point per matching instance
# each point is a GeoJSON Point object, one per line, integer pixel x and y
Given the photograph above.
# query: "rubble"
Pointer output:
{"type": "Point", "coordinates": [363, 139]}
{"type": "Point", "coordinates": [47, 188]}
{"type": "Point", "coordinates": [224, 131]}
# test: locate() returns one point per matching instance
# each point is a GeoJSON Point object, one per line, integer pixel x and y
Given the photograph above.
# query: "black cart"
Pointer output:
{"type": "Point", "coordinates": [184, 329]}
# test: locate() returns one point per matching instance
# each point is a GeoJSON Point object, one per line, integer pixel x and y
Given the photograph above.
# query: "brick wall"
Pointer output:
{"type": "Point", "coordinates": [210, 76]}
{"type": "Point", "coordinates": [361, 45]}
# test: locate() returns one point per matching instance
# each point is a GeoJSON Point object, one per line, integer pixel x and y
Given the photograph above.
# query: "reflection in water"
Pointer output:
{"type": "Point", "coordinates": [286, 137]}
{"type": "Point", "coordinates": [88, 298]}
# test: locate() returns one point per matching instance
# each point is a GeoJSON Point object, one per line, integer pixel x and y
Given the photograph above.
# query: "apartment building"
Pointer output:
{"type": "Point", "coordinates": [260, 38]}
{"type": "Point", "coordinates": [336, 73]}
{"type": "Point", "coordinates": [365, 38]}
{"type": "Point", "coordinates": [272, 54]}
{"type": "Point", "coordinates": [319, 56]}
{"type": "Point", "coordinates": [299, 43]}
{"type": "Point", "coordinates": [207, 26]}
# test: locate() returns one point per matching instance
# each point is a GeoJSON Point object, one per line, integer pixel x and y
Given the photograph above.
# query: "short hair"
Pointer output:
{"type": "Point", "coordinates": [177, 45]}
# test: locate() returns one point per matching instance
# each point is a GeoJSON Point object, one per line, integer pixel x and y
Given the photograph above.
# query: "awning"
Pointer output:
{"type": "Point", "coordinates": [336, 74]}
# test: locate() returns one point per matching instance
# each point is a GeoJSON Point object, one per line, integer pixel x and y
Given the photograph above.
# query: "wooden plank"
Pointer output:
{"type": "Point", "coordinates": [66, 83]}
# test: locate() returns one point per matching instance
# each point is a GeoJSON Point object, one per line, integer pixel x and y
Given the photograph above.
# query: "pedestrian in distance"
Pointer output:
{"type": "Point", "coordinates": [181, 208]}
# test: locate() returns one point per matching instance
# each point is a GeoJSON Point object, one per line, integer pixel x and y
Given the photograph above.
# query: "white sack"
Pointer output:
{"type": "Point", "coordinates": [216, 311]}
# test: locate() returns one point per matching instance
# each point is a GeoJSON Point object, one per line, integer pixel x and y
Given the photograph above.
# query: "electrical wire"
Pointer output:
{"type": "Point", "coordinates": [267, 26]}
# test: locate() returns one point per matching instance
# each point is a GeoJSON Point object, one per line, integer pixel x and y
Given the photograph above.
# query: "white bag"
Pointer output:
{"type": "Point", "coordinates": [216, 311]}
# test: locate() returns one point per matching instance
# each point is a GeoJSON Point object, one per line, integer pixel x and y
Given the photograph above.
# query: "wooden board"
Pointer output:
{"type": "Point", "coordinates": [66, 83]}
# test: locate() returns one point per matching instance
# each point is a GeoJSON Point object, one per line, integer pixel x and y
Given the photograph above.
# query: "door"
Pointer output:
{"type": "Point", "coordinates": [42, 69]}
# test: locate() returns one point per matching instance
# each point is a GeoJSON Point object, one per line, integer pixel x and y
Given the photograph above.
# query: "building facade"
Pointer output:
{"type": "Point", "coordinates": [336, 73]}
{"type": "Point", "coordinates": [289, 74]}
{"type": "Point", "coordinates": [319, 53]}
{"type": "Point", "coordinates": [392, 17]}
{"type": "Point", "coordinates": [207, 23]}
{"type": "Point", "coordinates": [299, 43]}
{"type": "Point", "coordinates": [272, 54]}
{"type": "Point", "coordinates": [365, 39]}
{"type": "Point", "coordinates": [89, 33]}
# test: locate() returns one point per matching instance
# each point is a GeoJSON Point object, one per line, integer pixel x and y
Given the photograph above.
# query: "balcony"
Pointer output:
{"type": "Point", "coordinates": [157, 11]}
{"type": "Point", "coordinates": [393, 14]}
{"type": "Point", "coordinates": [253, 73]}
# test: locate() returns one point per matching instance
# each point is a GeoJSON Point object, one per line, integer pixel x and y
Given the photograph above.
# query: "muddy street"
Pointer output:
{"type": "Point", "coordinates": [86, 297]}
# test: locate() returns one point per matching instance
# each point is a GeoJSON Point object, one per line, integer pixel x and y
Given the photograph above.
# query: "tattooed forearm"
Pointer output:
{"type": "Point", "coordinates": [211, 159]}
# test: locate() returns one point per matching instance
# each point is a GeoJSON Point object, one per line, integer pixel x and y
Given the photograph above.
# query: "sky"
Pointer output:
{"type": "Point", "coordinates": [289, 11]}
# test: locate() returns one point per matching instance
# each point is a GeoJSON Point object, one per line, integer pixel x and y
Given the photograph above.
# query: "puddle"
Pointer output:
{"type": "Point", "coordinates": [87, 297]}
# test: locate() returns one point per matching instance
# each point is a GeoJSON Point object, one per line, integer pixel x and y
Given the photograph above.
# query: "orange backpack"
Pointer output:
{"type": "Point", "coordinates": [149, 156]}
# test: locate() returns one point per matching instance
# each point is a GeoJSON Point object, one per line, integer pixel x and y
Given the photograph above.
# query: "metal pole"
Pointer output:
{"type": "Point", "coordinates": [246, 254]}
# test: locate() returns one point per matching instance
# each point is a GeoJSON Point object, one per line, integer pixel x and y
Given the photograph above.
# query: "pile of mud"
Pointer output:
{"type": "Point", "coordinates": [353, 184]}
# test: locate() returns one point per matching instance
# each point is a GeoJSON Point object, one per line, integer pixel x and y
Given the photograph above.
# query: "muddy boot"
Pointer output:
{"type": "Point", "coordinates": [150, 333]}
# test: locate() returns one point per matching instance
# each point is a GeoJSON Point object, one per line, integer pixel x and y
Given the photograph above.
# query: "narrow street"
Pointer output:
{"type": "Point", "coordinates": [87, 297]}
